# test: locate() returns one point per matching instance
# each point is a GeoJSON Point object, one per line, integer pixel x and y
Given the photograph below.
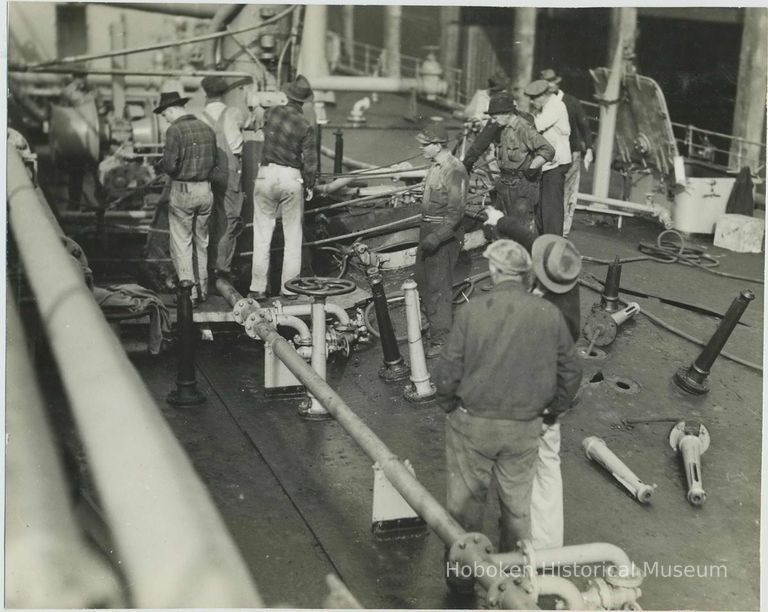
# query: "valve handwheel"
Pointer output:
{"type": "Point", "coordinates": [320, 286]}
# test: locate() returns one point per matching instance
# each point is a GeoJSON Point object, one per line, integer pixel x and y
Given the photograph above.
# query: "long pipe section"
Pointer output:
{"type": "Point", "coordinates": [48, 563]}
{"type": "Point", "coordinates": [160, 513]}
{"type": "Point", "coordinates": [199, 11]}
{"type": "Point", "coordinates": [596, 449]}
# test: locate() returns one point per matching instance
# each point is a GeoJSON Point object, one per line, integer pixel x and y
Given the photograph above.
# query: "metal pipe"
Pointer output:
{"type": "Point", "coordinates": [695, 378]}
{"type": "Point", "coordinates": [691, 441]}
{"type": "Point", "coordinates": [610, 298]}
{"type": "Point", "coordinates": [394, 367]}
{"type": "Point", "coordinates": [596, 449]}
{"type": "Point", "coordinates": [338, 152]}
{"type": "Point", "coordinates": [393, 17]}
{"type": "Point", "coordinates": [160, 513]}
{"type": "Point", "coordinates": [199, 11]}
{"type": "Point", "coordinates": [596, 552]}
{"type": "Point", "coordinates": [313, 62]}
{"type": "Point", "coordinates": [224, 15]}
{"type": "Point", "coordinates": [187, 41]}
{"type": "Point", "coordinates": [365, 83]}
{"type": "Point", "coordinates": [186, 392]}
{"type": "Point", "coordinates": [119, 215]}
{"type": "Point", "coordinates": [48, 563]}
{"type": "Point", "coordinates": [301, 328]}
{"type": "Point", "coordinates": [316, 409]}
{"type": "Point", "coordinates": [330, 309]}
{"type": "Point", "coordinates": [562, 588]}
{"type": "Point", "coordinates": [421, 388]}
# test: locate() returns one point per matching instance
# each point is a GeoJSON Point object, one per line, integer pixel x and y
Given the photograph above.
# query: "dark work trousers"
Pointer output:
{"type": "Point", "coordinates": [517, 198]}
{"type": "Point", "coordinates": [226, 226]}
{"type": "Point", "coordinates": [434, 277]}
{"type": "Point", "coordinates": [550, 212]}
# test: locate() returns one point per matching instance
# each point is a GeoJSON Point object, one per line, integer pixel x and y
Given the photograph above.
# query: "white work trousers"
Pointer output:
{"type": "Point", "coordinates": [547, 495]}
{"type": "Point", "coordinates": [278, 191]}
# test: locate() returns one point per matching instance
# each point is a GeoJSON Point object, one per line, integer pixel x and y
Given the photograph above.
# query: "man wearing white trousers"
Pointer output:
{"type": "Point", "coordinates": [287, 174]}
{"type": "Point", "coordinates": [556, 264]}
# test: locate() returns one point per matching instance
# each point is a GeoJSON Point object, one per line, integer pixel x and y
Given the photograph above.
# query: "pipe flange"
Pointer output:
{"type": "Point", "coordinates": [601, 323]}
{"type": "Point", "coordinates": [626, 577]}
{"type": "Point", "coordinates": [512, 593]}
{"type": "Point", "coordinates": [695, 429]}
{"type": "Point", "coordinates": [252, 321]}
{"type": "Point", "coordinates": [470, 547]}
{"type": "Point", "coordinates": [243, 308]}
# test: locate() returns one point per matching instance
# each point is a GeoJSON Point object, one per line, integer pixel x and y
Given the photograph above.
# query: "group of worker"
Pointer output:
{"type": "Point", "coordinates": [203, 159]}
{"type": "Point", "coordinates": [508, 365]}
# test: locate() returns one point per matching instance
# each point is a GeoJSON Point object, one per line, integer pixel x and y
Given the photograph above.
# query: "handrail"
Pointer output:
{"type": "Point", "coordinates": [174, 547]}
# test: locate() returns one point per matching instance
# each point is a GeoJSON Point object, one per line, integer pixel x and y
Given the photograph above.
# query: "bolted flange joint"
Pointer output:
{"type": "Point", "coordinates": [603, 596]}
{"type": "Point", "coordinates": [624, 576]}
{"type": "Point", "coordinates": [512, 593]}
{"type": "Point", "coordinates": [243, 309]}
{"type": "Point", "coordinates": [251, 322]}
{"type": "Point", "coordinates": [469, 548]}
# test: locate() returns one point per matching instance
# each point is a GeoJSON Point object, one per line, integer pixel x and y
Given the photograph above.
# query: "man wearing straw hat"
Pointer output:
{"type": "Point", "coordinates": [189, 159]}
{"type": "Point", "coordinates": [288, 171]}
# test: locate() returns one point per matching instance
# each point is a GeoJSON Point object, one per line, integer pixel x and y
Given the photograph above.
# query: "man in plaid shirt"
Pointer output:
{"type": "Point", "coordinates": [287, 173]}
{"type": "Point", "coordinates": [189, 159]}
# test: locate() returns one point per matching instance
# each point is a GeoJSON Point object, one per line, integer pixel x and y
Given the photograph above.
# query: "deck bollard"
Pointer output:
{"type": "Point", "coordinates": [610, 298]}
{"type": "Point", "coordinates": [421, 388]}
{"type": "Point", "coordinates": [597, 450]}
{"type": "Point", "coordinates": [186, 392]}
{"type": "Point", "coordinates": [394, 367]}
{"type": "Point", "coordinates": [691, 441]}
{"type": "Point", "coordinates": [695, 378]}
{"type": "Point", "coordinates": [338, 152]}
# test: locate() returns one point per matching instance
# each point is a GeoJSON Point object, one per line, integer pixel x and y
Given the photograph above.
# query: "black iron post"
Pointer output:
{"type": "Point", "coordinates": [319, 145]}
{"type": "Point", "coordinates": [695, 378]}
{"type": "Point", "coordinates": [186, 392]}
{"type": "Point", "coordinates": [394, 367]}
{"type": "Point", "coordinates": [338, 152]}
{"type": "Point", "coordinates": [610, 298]}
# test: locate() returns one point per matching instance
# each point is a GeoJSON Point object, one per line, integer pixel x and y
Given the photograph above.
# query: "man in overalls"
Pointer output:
{"type": "Point", "coordinates": [440, 233]}
{"type": "Point", "coordinates": [521, 153]}
{"type": "Point", "coordinates": [227, 224]}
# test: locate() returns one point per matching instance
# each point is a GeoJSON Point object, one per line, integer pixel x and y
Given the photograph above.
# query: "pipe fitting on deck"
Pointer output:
{"type": "Point", "coordinates": [691, 441]}
{"type": "Point", "coordinates": [596, 449]}
{"type": "Point", "coordinates": [602, 596]}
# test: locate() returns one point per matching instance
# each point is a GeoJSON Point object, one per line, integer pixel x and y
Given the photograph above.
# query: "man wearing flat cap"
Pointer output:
{"type": "Point", "coordinates": [551, 119]}
{"type": "Point", "coordinates": [287, 174]}
{"type": "Point", "coordinates": [521, 152]}
{"type": "Point", "coordinates": [580, 140]}
{"type": "Point", "coordinates": [509, 361]}
{"type": "Point", "coordinates": [440, 232]}
{"type": "Point", "coordinates": [189, 159]}
{"type": "Point", "coordinates": [226, 223]}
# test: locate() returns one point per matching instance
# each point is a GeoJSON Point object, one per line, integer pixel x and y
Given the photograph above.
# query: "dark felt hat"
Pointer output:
{"type": "Point", "coordinates": [168, 99]}
{"type": "Point", "coordinates": [214, 86]}
{"type": "Point", "coordinates": [497, 82]}
{"type": "Point", "coordinates": [299, 90]}
{"type": "Point", "coordinates": [502, 103]}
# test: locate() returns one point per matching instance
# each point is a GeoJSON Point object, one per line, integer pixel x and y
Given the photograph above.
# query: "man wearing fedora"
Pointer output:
{"type": "Point", "coordinates": [477, 109]}
{"type": "Point", "coordinates": [189, 159]}
{"type": "Point", "coordinates": [287, 173]}
{"type": "Point", "coordinates": [509, 361]}
{"type": "Point", "coordinates": [556, 265]}
{"type": "Point", "coordinates": [226, 223]}
{"type": "Point", "coordinates": [581, 144]}
{"type": "Point", "coordinates": [440, 232]}
{"type": "Point", "coordinates": [551, 119]}
{"type": "Point", "coordinates": [521, 153]}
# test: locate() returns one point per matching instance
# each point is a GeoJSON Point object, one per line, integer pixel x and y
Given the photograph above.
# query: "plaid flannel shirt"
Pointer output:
{"type": "Point", "coordinates": [190, 150]}
{"type": "Point", "coordinates": [289, 140]}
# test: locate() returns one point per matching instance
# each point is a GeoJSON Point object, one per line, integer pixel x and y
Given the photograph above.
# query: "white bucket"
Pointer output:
{"type": "Point", "coordinates": [698, 207]}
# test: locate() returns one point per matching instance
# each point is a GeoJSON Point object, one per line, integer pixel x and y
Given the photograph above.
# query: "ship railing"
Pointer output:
{"type": "Point", "coordinates": [171, 548]}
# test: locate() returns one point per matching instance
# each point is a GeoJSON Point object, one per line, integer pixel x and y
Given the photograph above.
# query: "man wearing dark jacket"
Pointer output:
{"type": "Point", "coordinates": [581, 145]}
{"type": "Point", "coordinates": [440, 232]}
{"type": "Point", "coordinates": [509, 360]}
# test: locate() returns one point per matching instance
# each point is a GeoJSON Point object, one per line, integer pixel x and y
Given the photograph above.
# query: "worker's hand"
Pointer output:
{"type": "Point", "coordinates": [494, 214]}
{"type": "Point", "coordinates": [430, 244]}
{"type": "Point", "coordinates": [549, 419]}
{"type": "Point", "coordinates": [588, 159]}
{"type": "Point", "coordinates": [532, 174]}
{"type": "Point", "coordinates": [308, 194]}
